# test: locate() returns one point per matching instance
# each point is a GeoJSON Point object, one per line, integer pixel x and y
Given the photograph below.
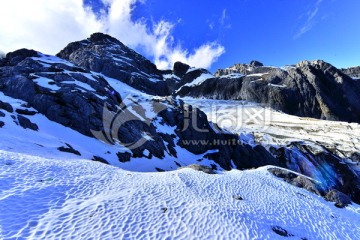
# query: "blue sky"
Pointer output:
{"type": "Point", "coordinates": [210, 34]}
{"type": "Point", "coordinates": [276, 32]}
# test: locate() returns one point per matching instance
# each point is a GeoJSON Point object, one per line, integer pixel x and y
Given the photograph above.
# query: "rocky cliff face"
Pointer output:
{"type": "Point", "coordinates": [100, 88]}
{"type": "Point", "coordinates": [310, 89]}
{"type": "Point", "coordinates": [245, 69]}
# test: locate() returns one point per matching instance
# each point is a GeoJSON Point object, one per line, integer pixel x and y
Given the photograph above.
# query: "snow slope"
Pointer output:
{"type": "Point", "coordinates": [78, 199]}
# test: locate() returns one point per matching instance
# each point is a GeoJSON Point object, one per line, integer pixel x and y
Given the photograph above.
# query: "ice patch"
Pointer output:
{"type": "Point", "coordinates": [202, 78]}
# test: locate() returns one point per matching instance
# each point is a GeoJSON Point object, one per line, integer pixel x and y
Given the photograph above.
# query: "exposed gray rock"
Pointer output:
{"type": "Point", "coordinates": [281, 173]}
{"type": "Point", "coordinates": [303, 182]}
{"type": "Point", "coordinates": [201, 168]}
{"type": "Point", "coordinates": [296, 180]}
{"type": "Point", "coordinates": [253, 67]}
{"type": "Point", "coordinates": [341, 200]}
{"type": "Point", "coordinates": [353, 72]}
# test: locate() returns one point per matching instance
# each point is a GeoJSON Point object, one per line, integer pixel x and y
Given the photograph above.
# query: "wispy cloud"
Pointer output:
{"type": "Point", "coordinates": [48, 26]}
{"type": "Point", "coordinates": [224, 19]}
{"type": "Point", "coordinates": [310, 20]}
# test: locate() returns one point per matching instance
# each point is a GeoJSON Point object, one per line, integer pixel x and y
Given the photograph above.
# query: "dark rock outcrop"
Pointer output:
{"type": "Point", "coordinates": [182, 74]}
{"type": "Point", "coordinates": [100, 159]}
{"type": "Point", "coordinates": [13, 58]}
{"type": "Point", "coordinates": [107, 55]}
{"type": "Point", "coordinates": [59, 95]}
{"type": "Point", "coordinates": [69, 149]}
{"type": "Point", "coordinates": [6, 106]}
{"type": "Point", "coordinates": [180, 69]}
{"type": "Point", "coordinates": [26, 123]}
{"type": "Point", "coordinates": [282, 232]}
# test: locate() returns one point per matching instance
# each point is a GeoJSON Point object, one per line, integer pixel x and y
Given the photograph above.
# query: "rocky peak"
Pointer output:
{"type": "Point", "coordinates": [180, 69]}
{"type": "Point", "coordinates": [107, 55]}
{"type": "Point", "coordinates": [255, 63]}
{"type": "Point", "coordinates": [252, 68]}
{"type": "Point", "coordinates": [103, 38]}
{"type": "Point", "coordinates": [13, 58]}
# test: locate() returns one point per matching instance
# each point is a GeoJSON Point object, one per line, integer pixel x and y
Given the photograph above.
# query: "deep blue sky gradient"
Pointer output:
{"type": "Point", "coordinates": [264, 30]}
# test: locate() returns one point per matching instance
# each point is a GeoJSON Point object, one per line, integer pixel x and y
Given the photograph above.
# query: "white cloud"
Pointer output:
{"type": "Point", "coordinates": [48, 26]}
{"type": "Point", "coordinates": [223, 19]}
{"type": "Point", "coordinates": [310, 20]}
{"type": "Point", "coordinates": [44, 25]}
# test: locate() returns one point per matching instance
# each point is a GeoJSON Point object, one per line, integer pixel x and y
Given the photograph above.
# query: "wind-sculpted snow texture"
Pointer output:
{"type": "Point", "coordinates": [52, 199]}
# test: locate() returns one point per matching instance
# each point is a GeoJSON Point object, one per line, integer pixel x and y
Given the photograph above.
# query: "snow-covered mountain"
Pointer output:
{"type": "Point", "coordinates": [99, 100]}
{"type": "Point", "coordinates": [309, 89]}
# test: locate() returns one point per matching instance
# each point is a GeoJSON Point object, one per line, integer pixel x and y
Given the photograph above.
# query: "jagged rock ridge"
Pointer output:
{"type": "Point", "coordinates": [353, 72]}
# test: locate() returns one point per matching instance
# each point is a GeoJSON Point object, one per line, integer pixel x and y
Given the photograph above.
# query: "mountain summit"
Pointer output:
{"type": "Point", "coordinates": [104, 54]}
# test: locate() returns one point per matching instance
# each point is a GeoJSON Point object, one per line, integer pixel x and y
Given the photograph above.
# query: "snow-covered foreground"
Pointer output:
{"type": "Point", "coordinates": [81, 199]}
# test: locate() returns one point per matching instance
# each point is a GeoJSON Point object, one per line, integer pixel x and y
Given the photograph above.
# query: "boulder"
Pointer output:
{"type": "Point", "coordinates": [341, 200]}
{"type": "Point", "coordinates": [201, 168]}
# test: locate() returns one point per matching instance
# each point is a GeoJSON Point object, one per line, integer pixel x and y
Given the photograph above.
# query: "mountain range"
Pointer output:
{"type": "Point", "coordinates": [99, 100]}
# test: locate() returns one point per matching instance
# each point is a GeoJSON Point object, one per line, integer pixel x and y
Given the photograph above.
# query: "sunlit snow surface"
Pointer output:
{"type": "Point", "coordinates": [277, 128]}
{"type": "Point", "coordinates": [80, 199]}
